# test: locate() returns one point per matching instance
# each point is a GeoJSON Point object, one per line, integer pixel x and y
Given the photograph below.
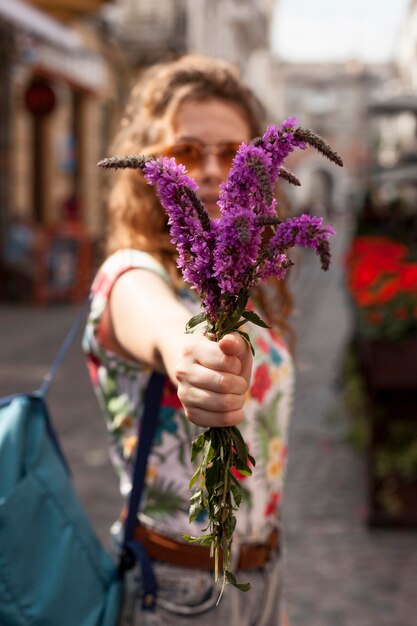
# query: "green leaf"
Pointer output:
{"type": "Point", "coordinates": [253, 317]}
{"type": "Point", "coordinates": [247, 338]}
{"type": "Point", "coordinates": [251, 459]}
{"type": "Point", "coordinates": [242, 299]}
{"type": "Point", "coordinates": [237, 493]}
{"type": "Point", "coordinates": [239, 444]}
{"type": "Point", "coordinates": [241, 323]}
{"type": "Point", "coordinates": [207, 540]}
{"type": "Point", "coordinates": [197, 446]}
{"type": "Point", "coordinates": [212, 475]}
{"type": "Point", "coordinates": [195, 321]}
{"type": "Point", "coordinates": [197, 496]}
{"type": "Point", "coordinates": [194, 477]}
{"type": "Point", "coordinates": [231, 578]}
{"type": "Point", "coordinates": [196, 508]}
{"type": "Point", "coordinates": [242, 468]}
{"type": "Point", "coordinates": [191, 539]}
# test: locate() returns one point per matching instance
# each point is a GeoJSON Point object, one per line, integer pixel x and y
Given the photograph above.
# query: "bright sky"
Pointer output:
{"type": "Point", "coordinates": [335, 30]}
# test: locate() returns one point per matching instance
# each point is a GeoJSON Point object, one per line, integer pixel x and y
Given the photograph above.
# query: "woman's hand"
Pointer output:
{"type": "Point", "coordinates": [213, 379]}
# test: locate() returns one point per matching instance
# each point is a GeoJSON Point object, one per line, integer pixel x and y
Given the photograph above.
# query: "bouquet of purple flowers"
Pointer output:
{"type": "Point", "coordinates": [223, 259]}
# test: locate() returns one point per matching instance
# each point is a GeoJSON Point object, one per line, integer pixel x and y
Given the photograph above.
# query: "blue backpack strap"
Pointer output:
{"type": "Point", "coordinates": [133, 550]}
{"type": "Point", "coordinates": [50, 375]}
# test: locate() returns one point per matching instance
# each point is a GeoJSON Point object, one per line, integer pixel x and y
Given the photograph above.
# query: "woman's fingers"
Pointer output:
{"type": "Point", "coordinates": [213, 419]}
{"type": "Point", "coordinates": [194, 397]}
{"type": "Point", "coordinates": [212, 380]}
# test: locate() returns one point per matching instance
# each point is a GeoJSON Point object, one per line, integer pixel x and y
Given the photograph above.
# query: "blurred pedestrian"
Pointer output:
{"type": "Point", "coordinates": [196, 110]}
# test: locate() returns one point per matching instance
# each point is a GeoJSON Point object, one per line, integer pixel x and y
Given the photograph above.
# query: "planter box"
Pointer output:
{"type": "Point", "coordinates": [392, 499]}
{"type": "Point", "coordinates": [392, 503]}
{"type": "Point", "coordinates": [389, 364]}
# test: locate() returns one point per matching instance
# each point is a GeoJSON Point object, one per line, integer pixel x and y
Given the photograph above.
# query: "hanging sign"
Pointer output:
{"type": "Point", "coordinates": [40, 98]}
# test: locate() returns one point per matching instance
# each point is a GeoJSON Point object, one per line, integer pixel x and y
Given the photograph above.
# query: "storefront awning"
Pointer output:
{"type": "Point", "coordinates": [54, 49]}
{"type": "Point", "coordinates": [40, 25]}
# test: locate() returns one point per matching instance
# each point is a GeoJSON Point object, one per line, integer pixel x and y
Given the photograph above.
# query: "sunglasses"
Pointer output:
{"type": "Point", "coordinates": [192, 155]}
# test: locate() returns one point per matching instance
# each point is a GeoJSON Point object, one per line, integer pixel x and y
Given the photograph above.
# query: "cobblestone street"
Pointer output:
{"type": "Point", "coordinates": [338, 572]}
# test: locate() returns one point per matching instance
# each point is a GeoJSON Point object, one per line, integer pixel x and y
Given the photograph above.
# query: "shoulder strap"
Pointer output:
{"type": "Point", "coordinates": [133, 551]}
{"type": "Point", "coordinates": [147, 429]}
{"type": "Point", "coordinates": [50, 375]}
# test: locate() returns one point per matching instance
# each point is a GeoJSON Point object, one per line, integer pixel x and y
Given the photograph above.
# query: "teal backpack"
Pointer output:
{"type": "Point", "coordinates": [53, 569]}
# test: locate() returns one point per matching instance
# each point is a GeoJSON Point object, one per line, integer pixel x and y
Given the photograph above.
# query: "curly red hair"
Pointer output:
{"type": "Point", "coordinates": [135, 216]}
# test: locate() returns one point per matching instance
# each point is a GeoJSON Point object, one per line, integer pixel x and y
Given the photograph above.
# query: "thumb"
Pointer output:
{"type": "Point", "coordinates": [234, 345]}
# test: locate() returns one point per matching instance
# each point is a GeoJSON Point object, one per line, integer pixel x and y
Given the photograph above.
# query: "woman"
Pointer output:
{"type": "Point", "coordinates": [196, 110]}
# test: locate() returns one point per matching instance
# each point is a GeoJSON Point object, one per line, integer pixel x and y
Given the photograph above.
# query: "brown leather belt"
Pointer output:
{"type": "Point", "coordinates": [160, 548]}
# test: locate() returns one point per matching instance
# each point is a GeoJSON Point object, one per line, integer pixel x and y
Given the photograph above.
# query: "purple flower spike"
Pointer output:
{"type": "Point", "coordinates": [247, 194]}
{"type": "Point", "coordinates": [237, 245]}
{"type": "Point", "coordinates": [277, 265]}
{"type": "Point", "coordinates": [278, 143]}
{"type": "Point", "coordinates": [190, 226]}
{"type": "Point", "coordinates": [223, 259]}
{"type": "Point", "coordinates": [306, 231]}
{"type": "Point", "coordinates": [248, 183]}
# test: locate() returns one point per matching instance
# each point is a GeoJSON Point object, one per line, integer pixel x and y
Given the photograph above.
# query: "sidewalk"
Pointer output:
{"type": "Point", "coordinates": [338, 573]}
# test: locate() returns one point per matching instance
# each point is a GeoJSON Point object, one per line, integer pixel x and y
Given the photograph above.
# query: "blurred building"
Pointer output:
{"type": "Point", "coordinates": [395, 106]}
{"type": "Point", "coordinates": [65, 71]}
{"type": "Point", "coordinates": [56, 90]}
{"type": "Point", "coordinates": [235, 30]}
{"type": "Point", "coordinates": [332, 99]}
{"type": "Point", "coordinates": [239, 31]}
{"type": "Point", "coordinates": [147, 31]}
{"type": "Point", "coordinates": [394, 120]}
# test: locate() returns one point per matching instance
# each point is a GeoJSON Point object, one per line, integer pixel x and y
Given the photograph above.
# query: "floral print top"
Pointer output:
{"type": "Point", "coordinates": [120, 383]}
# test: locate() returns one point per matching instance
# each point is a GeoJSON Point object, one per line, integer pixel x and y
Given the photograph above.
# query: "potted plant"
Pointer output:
{"type": "Point", "coordinates": [384, 427]}
{"type": "Point", "coordinates": [382, 281]}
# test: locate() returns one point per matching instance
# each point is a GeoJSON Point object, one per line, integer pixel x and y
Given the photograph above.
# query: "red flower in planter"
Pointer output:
{"type": "Point", "coordinates": [389, 289]}
{"type": "Point", "coordinates": [375, 317]}
{"type": "Point", "coordinates": [408, 277]}
{"type": "Point", "coordinates": [383, 285]}
{"type": "Point", "coordinates": [401, 313]}
{"type": "Point", "coordinates": [363, 276]}
{"type": "Point", "coordinates": [378, 247]}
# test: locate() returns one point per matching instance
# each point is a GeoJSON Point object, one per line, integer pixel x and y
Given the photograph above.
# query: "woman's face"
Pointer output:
{"type": "Point", "coordinates": [205, 137]}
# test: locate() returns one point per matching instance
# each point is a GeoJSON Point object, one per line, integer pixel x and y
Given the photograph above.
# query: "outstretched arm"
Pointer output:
{"type": "Point", "coordinates": [147, 323]}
